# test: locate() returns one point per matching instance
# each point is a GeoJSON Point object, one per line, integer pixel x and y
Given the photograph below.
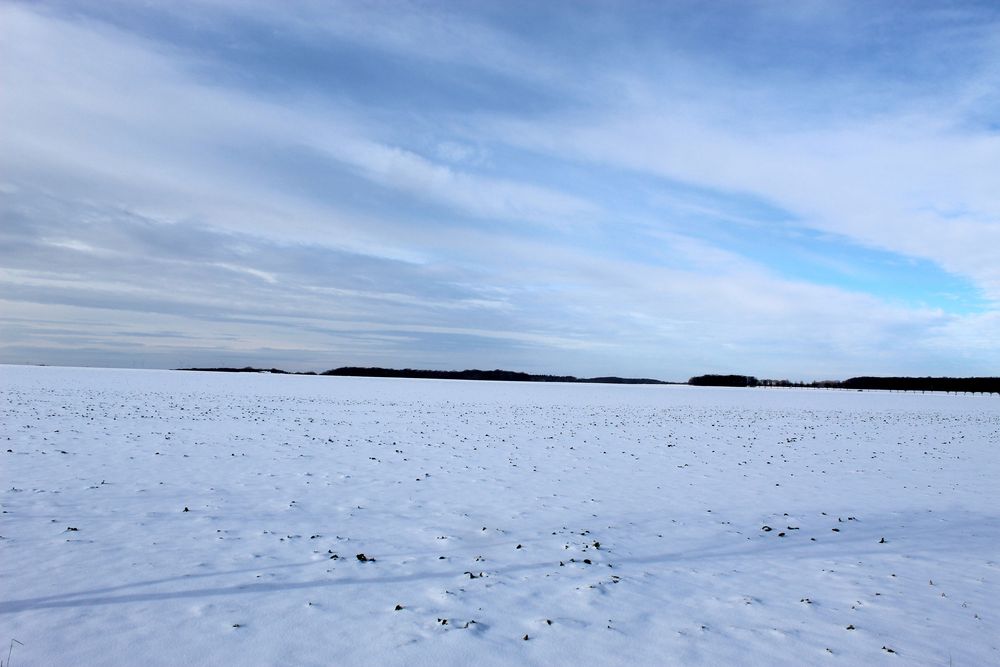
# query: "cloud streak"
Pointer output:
{"type": "Point", "coordinates": [552, 189]}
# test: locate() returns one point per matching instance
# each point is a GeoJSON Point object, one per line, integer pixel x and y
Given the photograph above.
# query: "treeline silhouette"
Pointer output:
{"type": "Point", "coordinates": [471, 374]}
{"type": "Point", "coordinates": [984, 385]}
{"type": "Point", "coordinates": [475, 374]}
{"type": "Point", "coordinates": [975, 385]}
{"type": "Point", "coordinates": [723, 381]}
{"type": "Point", "coordinates": [248, 369]}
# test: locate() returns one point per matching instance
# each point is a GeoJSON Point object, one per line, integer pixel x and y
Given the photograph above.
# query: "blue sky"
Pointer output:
{"type": "Point", "coordinates": [805, 190]}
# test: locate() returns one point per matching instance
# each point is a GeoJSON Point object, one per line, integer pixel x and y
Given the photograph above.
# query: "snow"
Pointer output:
{"type": "Point", "coordinates": [480, 504]}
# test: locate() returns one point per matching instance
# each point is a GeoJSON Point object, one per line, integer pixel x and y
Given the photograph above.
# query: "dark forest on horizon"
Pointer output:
{"type": "Point", "coordinates": [975, 385]}
{"type": "Point", "coordinates": [470, 374]}
{"type": "Point", "coordinates": [984, 385]}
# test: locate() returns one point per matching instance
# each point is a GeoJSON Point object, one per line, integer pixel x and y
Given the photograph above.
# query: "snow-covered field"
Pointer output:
{"type": "Point", "coordinates": [171, 518]}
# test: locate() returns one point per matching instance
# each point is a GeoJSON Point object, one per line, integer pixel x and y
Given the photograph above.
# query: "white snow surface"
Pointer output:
{"type": "Point", "coordinates": [606, 524]}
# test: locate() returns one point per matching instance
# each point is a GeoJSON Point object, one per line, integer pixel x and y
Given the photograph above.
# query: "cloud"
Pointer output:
{"type": "Point", "coordinates": [107, 109]}
{"type": "Point", "coordinates": [403, 184]}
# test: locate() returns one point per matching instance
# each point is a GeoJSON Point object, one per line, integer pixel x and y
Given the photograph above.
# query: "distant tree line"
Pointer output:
{"type": "Point", "coordinates": [984, 385]}
{"type": "Point", "coordinates": [724, 381]}
{"type": "Point", "coordinates": [786, 383]}
{"type": "Point", "coordinates": [247, 369]}
{"type": "Point", "coordinates": [475, 374]}
{"type": "Point", "coordinates": [471, 374]}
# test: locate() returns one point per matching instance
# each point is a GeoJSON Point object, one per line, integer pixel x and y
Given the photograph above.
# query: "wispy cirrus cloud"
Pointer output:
{"type": "Point", "coordinates": [648, 191]}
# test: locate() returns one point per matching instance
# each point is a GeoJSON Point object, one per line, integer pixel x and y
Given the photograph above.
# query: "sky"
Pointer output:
{"type": "Point", "coordinates": [803, 190]}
